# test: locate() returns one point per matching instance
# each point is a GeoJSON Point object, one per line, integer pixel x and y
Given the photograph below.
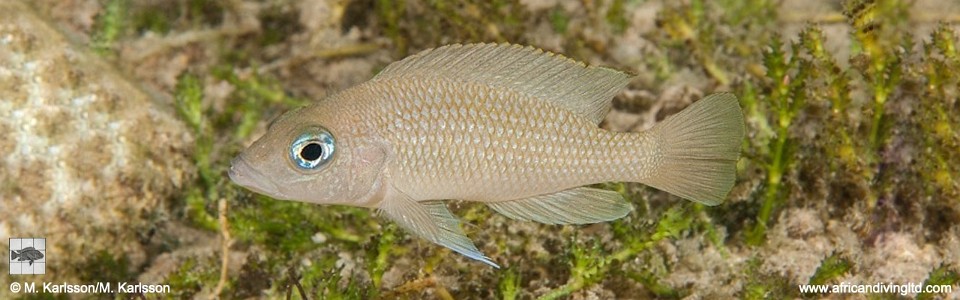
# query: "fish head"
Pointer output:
{"type": "Point", "coordinates": [312, 157]}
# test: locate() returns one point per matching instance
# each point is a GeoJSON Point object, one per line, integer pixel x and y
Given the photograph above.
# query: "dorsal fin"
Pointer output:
{"type": "Point", "coordinates": [585, 90]}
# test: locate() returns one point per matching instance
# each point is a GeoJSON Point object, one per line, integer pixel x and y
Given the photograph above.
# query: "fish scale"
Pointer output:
{"type": "Point", "coordinates": [512, 127]}
{"type": "Point", "coordinates": [546, 146]}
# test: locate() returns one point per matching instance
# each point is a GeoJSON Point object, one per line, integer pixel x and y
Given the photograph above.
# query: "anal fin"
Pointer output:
{"type": "Point", "coordinates": [432, 221]}
{"type": "Point", "coordinates": [581, 205]}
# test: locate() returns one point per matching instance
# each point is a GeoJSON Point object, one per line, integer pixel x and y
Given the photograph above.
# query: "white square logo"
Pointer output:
{"type": "Point", "coordinates": [28, 256]}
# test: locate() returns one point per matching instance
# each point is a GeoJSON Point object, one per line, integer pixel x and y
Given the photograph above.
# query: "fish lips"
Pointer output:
{"type": "Point", "coordinates": [242, 173]}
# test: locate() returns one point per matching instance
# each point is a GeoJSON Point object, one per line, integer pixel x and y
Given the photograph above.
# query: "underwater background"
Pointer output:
{"type": "Point", "coordinates": [118, 120]}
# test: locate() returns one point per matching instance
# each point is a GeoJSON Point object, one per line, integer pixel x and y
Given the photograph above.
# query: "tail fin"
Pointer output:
{"type": "Point", "coordinates": [13, 255]}
{"type": "Point", "coordinates": [700, 148]}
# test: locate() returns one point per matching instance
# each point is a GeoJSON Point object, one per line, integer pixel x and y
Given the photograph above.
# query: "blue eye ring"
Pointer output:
{"type": "Point", "coordinates": [312, 149]}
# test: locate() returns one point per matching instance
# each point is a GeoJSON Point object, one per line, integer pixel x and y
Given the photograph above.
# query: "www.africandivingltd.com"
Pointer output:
{"type": "Point", "coordinates": [876, 288]}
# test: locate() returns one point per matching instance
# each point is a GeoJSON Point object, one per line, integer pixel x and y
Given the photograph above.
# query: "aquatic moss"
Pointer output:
{"type": "Point", "coordinates": [766, 286]}
{"type": "Point", "coordinates": [380, 257]}
{"type": "Point", "coordinates": [832, 267]}
{"type": "Point", "coordinates": [403, 21]}
{"type": "Point", "coordinates": [279, 23]}
{"type": "Point", "coordinates": [653, 283]}
{"type": "Point", "coordinates": [390, 13]}
{"type": "Point", "coordinates": [559, 20]}
{"type": "Point", "coordinates": [186, 281]}
{"type": "Point", "coordinates": [940, 162]}
{"type": "Point", "coordinates": [940, 276]}
{"type": "Point", "coordinates": [110, 25]}
{"type": "Point", "coordinates": [616, 16]}
{"type": "Point", "coordinates": [199, 198]}
{"type": "Point", "coordinates": [590, 263]}
{"type": "Point", "coordinates": [107, 267]}
{"type": "Point", "coordinates": [152, 21]}
{"type": "Point", "coordinates": [509, 286]}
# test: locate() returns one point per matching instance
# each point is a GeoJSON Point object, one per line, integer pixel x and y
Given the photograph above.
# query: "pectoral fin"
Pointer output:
{"type": "Point", "coordinates": [432, 221]}
{"type": "Point", "coordinates": [574, 206]}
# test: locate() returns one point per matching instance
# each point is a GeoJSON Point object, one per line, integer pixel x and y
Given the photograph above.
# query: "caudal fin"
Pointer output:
{"type": "Point", "coordinates": [13, 255]}
{"type": "Point", "coordinates": [700, 148]}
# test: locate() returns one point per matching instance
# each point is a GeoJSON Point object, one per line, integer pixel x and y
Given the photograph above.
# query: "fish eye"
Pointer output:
{"type": "Point", "coordinates": [312, 149]}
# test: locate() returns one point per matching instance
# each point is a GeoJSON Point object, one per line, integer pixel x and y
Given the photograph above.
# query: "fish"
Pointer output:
{"type": "Point", "coordinates": [513, 127]}
{"type": "Point", "coordinates": [29, 253]}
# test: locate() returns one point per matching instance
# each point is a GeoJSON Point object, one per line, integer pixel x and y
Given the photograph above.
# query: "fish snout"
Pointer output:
{"type": "Point", "coordinates": [234, 172]}
{"type": "Point", "coordinates": [243, 174]}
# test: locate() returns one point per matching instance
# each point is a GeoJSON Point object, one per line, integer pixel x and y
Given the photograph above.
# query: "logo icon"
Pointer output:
{"type": "Point", "coordinates": [28, 256]}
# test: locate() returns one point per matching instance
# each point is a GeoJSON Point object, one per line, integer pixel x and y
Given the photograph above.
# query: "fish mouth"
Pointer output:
{"type": "Point", "coordinates": [243, 174]}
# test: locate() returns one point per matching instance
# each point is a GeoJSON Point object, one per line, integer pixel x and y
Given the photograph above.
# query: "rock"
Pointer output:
{"type": "Point", "coordinates": [87, 159]}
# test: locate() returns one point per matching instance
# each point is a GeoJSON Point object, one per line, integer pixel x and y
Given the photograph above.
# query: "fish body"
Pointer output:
{"type": "Point", "coordinates": [460, 140]}
{"type": "Point", "coordinates": [509, 126]}
{"type": "Point", "coordinates": [29, 253]}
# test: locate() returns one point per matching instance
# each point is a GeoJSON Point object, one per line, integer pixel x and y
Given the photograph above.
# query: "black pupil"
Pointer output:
{"type": "Point", "coordinates": [311, 151]}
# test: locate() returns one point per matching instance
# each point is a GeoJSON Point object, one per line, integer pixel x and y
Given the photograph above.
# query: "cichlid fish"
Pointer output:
{"type": "Point", "coordinates": [29, 253]}
{"type": "Point", "coordinates": [512, 127]}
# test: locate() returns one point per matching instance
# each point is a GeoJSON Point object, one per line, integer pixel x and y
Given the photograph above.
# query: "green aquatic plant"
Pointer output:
{"type": "Point", "coordinates": [765, 286]}
{"type": "Point", "coordinates": [941, 160]}
{"type": "Point", "coordinates": [390, 12]}
{"type": "Point", "coordinates": [785, 80]}
{"type": "Point", "coordinates": [386, 245]}
{"type": "Point", "coordinates": [880, 62]}
{"type": "Point", "coordinates": [687, 25]}
{"type": "Point", "coordinates": [590, 264]}
{"type": "Point", "coordinates": [110, 25]}
{"type": "Point", "coordinates": [653, 283]}
{"type": "Point", "coordinates": [875, 25]}
{"type": "Point", "coordinates": [325, 281]}
{"type": "Point", "coordinates": [559, 20]}
{"type": "Point", "coordinates": [616, 16]}
{"type": "Point", "coordinates": [404, 21]}
{"type": "Point", "coordinates": [831, 268]}
{"type": "Point", "coordinates": [587, 266]}
{"type": "Point", "coordinates": [190, 278]}
{"type": "Point", "coordinates": [942, 275]}
{"type": "Point", "coordinates": [189, 103]}
{"type": "Point", "coordinates": [509, 286]}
